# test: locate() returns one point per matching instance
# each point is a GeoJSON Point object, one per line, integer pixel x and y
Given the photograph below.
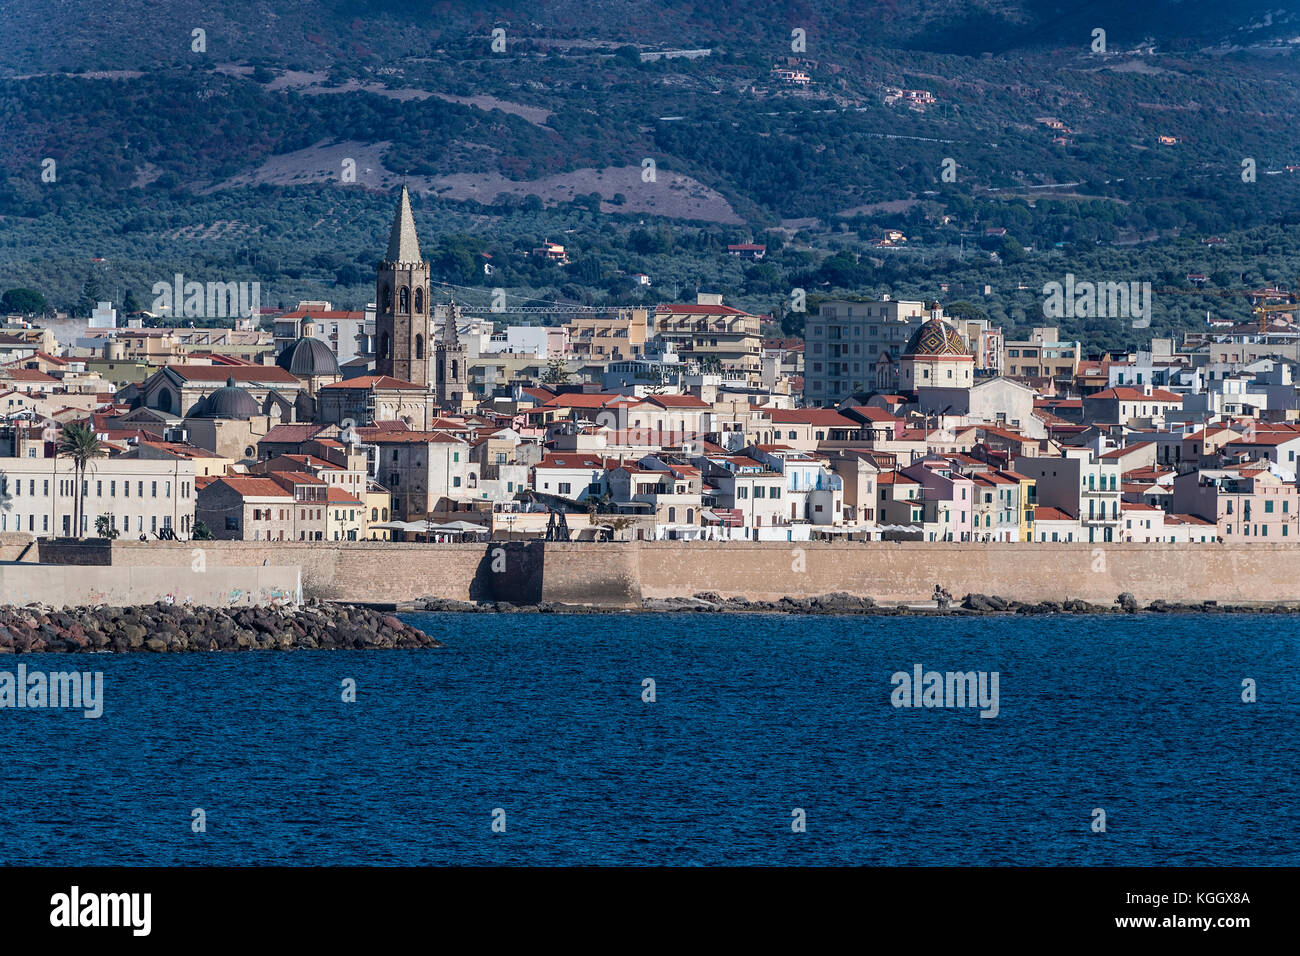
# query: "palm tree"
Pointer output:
{"type": "Point", "coordinates": [79, 443]}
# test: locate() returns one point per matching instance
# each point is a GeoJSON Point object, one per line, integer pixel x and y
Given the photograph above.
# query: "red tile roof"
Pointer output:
{"type": "Point", "coordinates": [291, 433]}
{"type": "Point", "coordinates": [240, 373]}
{"type": "Point", "coordinates": [677, 401]}
{"type": "Point", "coordinates": [373, 381]}
{"type": "Point", "coordinates": [571, 460]}
{"type": "Point", "coordinates": [250, 487]}
{"type": "Point", "coordinates": [1137, 395]}
{"type": "Point", "coordinates": [407, 438]}
{"type": "Point", "coordinates": [826, 417]}
{"type": "Point", "coordinates": [1042, 513]}
{"type": "Point", "coordinates": [695, 309]}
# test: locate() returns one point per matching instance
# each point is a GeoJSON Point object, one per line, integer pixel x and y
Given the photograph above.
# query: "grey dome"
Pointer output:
{"type": "Point", "coordinates": [307, 357]}
{"type": "Point", "coordinates": [231, 401]}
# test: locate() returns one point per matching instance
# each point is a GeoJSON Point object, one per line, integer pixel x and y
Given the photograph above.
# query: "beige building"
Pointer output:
{"type": "Point", "coordinates": [377, 398]}
{"type": "Point", "coordinates": [1042, 355]}
{"type": "Point", "coordinates": [38, 495]}
{"type": "Point", "coordinates": [1249, 504]}
{"type": "Point", "coordinates": [709, 333]}
{"type": "Point", "coordinates": [856, 347]}
{"type": "Point", "coordinates": [607, 338]}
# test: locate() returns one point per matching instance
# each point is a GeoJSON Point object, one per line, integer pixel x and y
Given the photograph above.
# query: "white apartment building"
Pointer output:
{"type": "Point", "coordinates": [139, 497]}
{"type": "Point", "coordinates": [1085, 488]}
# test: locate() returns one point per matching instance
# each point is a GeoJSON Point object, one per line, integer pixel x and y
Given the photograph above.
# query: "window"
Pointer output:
{"type": "Point", "coordinates": [565, 487]}
{"type": "Point", "coordinates": [1268, 507]}
{"type": "Point", "coordinates": [776, 492]}
{"type": "Point", "coordinates": [742, 492]}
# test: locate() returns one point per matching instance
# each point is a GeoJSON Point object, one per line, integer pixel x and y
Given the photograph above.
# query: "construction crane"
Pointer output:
{"type": "Point", "coordinates": [1258, 299]}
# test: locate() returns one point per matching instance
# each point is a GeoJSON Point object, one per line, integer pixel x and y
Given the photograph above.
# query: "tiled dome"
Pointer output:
{"type": "Point", "coordinates": [935, 337]}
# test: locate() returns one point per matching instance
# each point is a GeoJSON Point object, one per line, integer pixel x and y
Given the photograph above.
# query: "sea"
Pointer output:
{"type": "Point", "coordinates": [680, 740]}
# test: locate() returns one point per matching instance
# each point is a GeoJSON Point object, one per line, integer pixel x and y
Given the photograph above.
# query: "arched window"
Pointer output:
{"type": "Point", "coordinates": [419, 301]}
{"type": "Point", "coordinates": [672, 514]}
{"type": "Point", "coordinates": [404, 300]}
{"type": "Point", "coordinates": [419, 339]}
{"type": "Point", "coordinates": [385, 346]}
{"type": "Point", "coordinates": [690, 516]}
{"type": "Point", "coordinates": [374, 514]}
{"type": "Point", "coordinates": [388, 298]}
{"type": "Point", "coordinates": [455, 374]}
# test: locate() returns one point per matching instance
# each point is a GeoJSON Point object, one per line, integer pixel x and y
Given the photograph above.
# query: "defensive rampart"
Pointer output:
{"type": "Point", "coordinates": [621, 574]}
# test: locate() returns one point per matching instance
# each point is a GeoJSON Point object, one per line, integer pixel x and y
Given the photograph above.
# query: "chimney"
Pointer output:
{"type": "Point", "coordinates": [1146, 389]}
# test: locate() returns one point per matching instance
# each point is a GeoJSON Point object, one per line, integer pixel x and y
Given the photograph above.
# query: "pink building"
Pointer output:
{"type": "Point", "coordinates": [950, 498]}
{"type": "Point", "coordinates": [1249, 503]}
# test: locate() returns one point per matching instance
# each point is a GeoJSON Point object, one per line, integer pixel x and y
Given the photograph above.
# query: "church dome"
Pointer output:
{"type": "Point", "coordinates": [230, 401]}
{"type": "Point", "coordinates": [307, 357]}
{"type": "Point", "coordinates": [935, 337]}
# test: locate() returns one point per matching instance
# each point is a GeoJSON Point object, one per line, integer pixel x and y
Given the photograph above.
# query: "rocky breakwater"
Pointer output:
{"type": "Point", "coordinates": [840, 603]}
{"type": "Point", "coordinates": [178, 628]}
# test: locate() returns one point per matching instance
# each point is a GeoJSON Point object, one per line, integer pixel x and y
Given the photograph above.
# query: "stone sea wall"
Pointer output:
{"type": "Point", "coordinates": [625, 574]}
{"type": "Point", "coordinates": [76, 586]}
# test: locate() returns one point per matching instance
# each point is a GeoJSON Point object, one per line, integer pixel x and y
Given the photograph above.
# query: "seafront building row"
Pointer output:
{"type": "Point", "coordinates": [888, 420]}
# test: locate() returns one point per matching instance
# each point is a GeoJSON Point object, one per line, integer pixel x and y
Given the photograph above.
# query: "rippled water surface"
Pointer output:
{"type": "Point", "coordinates": [542, 716]}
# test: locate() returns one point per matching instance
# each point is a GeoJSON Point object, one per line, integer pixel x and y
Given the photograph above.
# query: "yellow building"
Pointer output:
{"type": "Point", "coordinates": [1028, 501]}
{"type": "Point", "coordinates": [611, 337]}
{"type": "Point", "coordinates": [378, 510]}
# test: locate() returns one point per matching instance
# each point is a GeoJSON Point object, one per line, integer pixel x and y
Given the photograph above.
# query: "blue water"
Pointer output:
{"type": "Point", "coordinates": [542, 716]}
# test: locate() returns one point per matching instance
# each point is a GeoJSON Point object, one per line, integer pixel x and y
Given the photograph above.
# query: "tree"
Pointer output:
{"type": "Point", "coordinates": [963, 309]}
{"type": "Point", "coordinates": [92, 293]}
{"type": "Point", "coordinates": [104, 527]}
{"type": "Point", "coordinates": [26, 301]}
{"type": "Point", "coordinates": [79, 443]}
{"type": "Point", "coordinates": [556, 373]}
{"type": "Point", "coordinates": [201, 531]}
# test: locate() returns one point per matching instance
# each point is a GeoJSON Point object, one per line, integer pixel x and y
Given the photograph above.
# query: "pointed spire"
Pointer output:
{"type": "Point", "coordinates": [403, 244]}
{"type": "Point", "coordinates": [450, 334]}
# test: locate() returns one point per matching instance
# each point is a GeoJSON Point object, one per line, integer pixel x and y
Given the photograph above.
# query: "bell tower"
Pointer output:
{"type": "Point", "coordinates": [450, 383]}
{"type": "Point", "coordinates": [402, 303]}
